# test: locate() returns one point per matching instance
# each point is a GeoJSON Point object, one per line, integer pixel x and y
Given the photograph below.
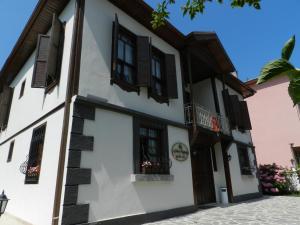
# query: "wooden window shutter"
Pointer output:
{"type": "Point", "coordinates": [245, 116]}
{"type": "Point", "coordinates": [5, 104]}
{"type": "Point", "coordinates": [115, 48]}
{"type": "Point", "coordinates": [228, 108]}
{"type": "Point", "coordinates": [171, 78]}
{"type": "Point", "coordinates": [143, 61]}
{"type": "Point", "coordinates": [55, 50]}
{"type": "Point", "coordinates": [40, 68]}
{"type": "Point", "coordinates": [136, 145]}
{"type": "Point", "coordinates": [235, 110]}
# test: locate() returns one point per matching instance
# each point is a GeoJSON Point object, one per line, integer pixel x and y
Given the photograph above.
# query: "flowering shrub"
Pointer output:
{"type": "Point", "coordinates": [274, 179]}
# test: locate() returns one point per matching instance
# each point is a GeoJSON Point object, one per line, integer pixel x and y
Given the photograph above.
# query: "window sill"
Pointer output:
{"type": "Point", "coordinates": [158, 98]}
{"type": "Point", "coordinates": [125, 86]}
{"type": "Point", "coordinates": [151, 177]}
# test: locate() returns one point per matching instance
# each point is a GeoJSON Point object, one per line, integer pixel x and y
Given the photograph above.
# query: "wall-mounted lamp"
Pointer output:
{"type": "Point", "coordinates": [3, 203]}
{"type": "Point", "coordinates": [229, 157]}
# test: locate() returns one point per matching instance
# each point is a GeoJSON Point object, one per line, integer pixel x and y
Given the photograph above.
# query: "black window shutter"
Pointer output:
{"type": "Point", "coordinates": [40, 68]}
{"type": "Point", "coordinates": [235, 103]}
{"type": "Point", "coordinates": [245, 115]}
{"type": "Point", "coordinates": [115, 48]}
{"type": "Point", "coordinates": [5, 104]}
{"type": "Point", "coordinates": [143, 61]}
{"type": "Point", "coordinates": [55, 50]}
{"type": "Point", "coordinates": [136, 145]}
{"type": "Point", "coordinates": [171, 77]}
{"type": "Point", "coordinates": [229, 108]}
{"type": "Point", "coordinates": [165, 148]}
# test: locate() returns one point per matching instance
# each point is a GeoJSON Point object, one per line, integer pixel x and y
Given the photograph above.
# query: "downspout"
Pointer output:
{"type": "Point", "coordinates": [194, 125]}
{"type": "Point", "coordinates": [71, 91]}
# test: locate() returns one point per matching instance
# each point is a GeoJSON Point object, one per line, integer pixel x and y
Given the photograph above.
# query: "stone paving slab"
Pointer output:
{"type": "Point", "coordinates": [281, 210]}
{"type": "Point", "coordinates": [7, 219]}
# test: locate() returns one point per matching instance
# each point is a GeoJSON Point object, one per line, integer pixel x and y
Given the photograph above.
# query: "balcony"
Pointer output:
{"type": "Point", "coordinates": [204, 118]}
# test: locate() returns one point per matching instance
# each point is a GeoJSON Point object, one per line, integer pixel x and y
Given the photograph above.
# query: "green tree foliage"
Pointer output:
{"type": "Point", "coordinates": [282, 67]}
{"type": "Point", "coordinates": [192, 8]}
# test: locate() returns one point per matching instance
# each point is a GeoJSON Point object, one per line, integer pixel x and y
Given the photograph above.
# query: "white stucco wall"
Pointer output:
{"type": "Point", "coordinates": [32, 203]}
{"type": "Point", "coordinates": [111, 193]}
{"type": "Point", "coordinates": [203, 95]}
{"type": "Point", "coordinates": [241, 184]}
{"type": "Point", "coordinates": [95, 71]}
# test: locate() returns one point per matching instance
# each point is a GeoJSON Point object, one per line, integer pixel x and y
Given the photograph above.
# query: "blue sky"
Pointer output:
{"type": "Point", "coordinates": [250, 37]}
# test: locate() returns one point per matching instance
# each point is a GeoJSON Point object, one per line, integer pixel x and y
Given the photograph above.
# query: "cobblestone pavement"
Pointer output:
{"type": "Point", "coordinates": [279, 210]}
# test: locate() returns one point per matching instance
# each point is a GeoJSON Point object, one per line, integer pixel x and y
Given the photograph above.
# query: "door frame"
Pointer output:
{"type": "Point", "coordinates": [194, 148]}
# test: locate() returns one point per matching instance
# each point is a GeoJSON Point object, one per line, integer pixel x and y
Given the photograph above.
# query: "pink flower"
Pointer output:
{"type": "Point", "coordinates": [274, 190]}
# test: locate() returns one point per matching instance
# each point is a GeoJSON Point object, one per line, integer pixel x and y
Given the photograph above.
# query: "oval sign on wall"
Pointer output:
{"type": "Point", "coordinates": [180, 152]}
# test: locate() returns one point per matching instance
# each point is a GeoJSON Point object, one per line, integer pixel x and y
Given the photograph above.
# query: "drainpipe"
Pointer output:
{"type": "Point", "coordinates": [72, 79]}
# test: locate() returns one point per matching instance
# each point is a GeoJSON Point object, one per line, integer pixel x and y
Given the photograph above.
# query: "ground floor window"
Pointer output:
{"type": "Point", "coordinates": [245, 164]}
{"type": "Point", "coordinates": [35, 155]}
{"type": "Point", "coordinates": [296, 151]}
{"type": "Point", "coordinates": [150, 147]}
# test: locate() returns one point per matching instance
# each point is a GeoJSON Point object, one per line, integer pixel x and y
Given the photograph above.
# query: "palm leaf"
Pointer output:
{"type": "Point", "coordinates": [274, 69]}
{"type": "Point", "coordinates": [294, 88]}
{"type": "Point", "coordinates": [288, 48]}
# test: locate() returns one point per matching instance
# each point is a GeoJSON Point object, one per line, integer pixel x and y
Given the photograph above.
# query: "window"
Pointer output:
{"type": "Point", "coordinates": [158, 84]}
{"type": "Point", "coordinates": [151, 152]}
{"type": "Point", "coordinates": [126, 70]}
{"type": "Point", "coordinates": [10, 152]}
{"type": "Point", "coordinates": [244, 160]}
{"type": "Point", "coordinates": [48, 60]}
{"type": "Point", "coordinates": [5, 105]}
{"type": "Point", "coordinates": [135, 63]}
{"type": "Point", "coordinates": [236, 111]}
{"type": "Point", "coordinates": [296, 151]}
{"type": "Point", "coordinates": [22, 89]}
{"type": "Point", "coordinates": [35, 155]}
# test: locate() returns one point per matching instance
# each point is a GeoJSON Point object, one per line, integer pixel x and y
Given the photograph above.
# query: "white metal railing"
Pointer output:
{"type": "Point", "coordinates": [206, 119]}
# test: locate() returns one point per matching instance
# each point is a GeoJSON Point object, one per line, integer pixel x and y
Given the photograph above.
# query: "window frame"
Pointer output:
{"type": "Point", "coordinates": [163, 158]}
{"type": "Point", "coordinates": [36, 142]}
{"type": "Point", "coordinates": [10, 151]}
{"type": "Point", "coordinates": [121, 82]}
{"type": "Point", "coordinates": [22, 90]}
{"type": "Point", "coordinates": [158, 55]}
{"type": "Point", "coordinates": [243, 149]}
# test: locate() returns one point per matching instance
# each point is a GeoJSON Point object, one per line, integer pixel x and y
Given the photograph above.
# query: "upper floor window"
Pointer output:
{"type": "Point", "coordinates": [47, 67]}
{"type": "Point", "coordinates": [158, 84]}
{"type": "Point", "coordinates": [135, 64]}
{"type": "Point", "coordinates": [35, 155]}
{"type": "Point", "coordinates": [126, 66]}
{"type": "Point", "coordinates": [151, 148]}
{"type": "Point", "coordinates": [22, 89]}
{"type": "Point", "coordinates": [10, 152]}
{"type": "Point", "coordinates": [236, 111]}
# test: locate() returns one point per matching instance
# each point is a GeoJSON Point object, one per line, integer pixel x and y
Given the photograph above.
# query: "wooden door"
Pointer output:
{"type": "Point", "coordinates": [203, 181]}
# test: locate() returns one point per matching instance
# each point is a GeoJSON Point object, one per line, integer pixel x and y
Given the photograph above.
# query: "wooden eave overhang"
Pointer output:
{"type": "Point", "coordinates": [39, 23]}
{"type": "Point", "coordinates": [211, 42]}
{"type": "Point", "coordinates": [239, 86]}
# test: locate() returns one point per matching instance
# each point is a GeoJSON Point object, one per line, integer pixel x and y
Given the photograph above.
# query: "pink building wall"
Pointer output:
{"type": "Point", "coordinates": [275, 122]}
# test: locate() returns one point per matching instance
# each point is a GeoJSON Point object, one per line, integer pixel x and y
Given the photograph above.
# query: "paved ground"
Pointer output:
{"type": "Point", "coordinates": [267, 211]}
{"type": "Point", "coordinates": [7, 219]}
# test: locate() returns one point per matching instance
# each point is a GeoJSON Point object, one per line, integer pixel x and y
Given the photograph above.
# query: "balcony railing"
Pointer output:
{"type": "Point", "coordinates": [206, 119]}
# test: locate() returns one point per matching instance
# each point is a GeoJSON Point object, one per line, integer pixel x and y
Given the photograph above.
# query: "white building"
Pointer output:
{"type": "Point", "coordinates": [106, 120]}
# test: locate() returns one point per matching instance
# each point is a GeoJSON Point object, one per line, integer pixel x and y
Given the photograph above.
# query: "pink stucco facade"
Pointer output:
{"type": "Point", "coordinates": [275, 122]}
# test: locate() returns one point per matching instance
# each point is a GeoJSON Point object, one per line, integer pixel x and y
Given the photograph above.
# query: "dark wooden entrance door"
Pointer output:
{"type": "Point", "coordinates": [203, 181]}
